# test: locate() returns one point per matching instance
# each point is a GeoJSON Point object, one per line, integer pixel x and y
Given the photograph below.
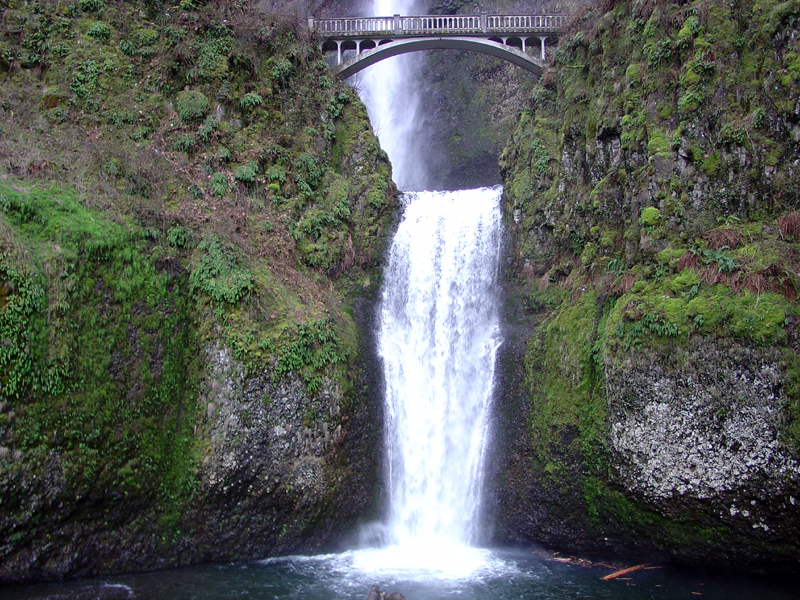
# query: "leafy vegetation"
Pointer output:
{"type": "Point", "coordinates": [191, 105]}
{"type": "Point", "coordinates": [218, 273]}
{"type": "Point", "coordinates": [65, 265]}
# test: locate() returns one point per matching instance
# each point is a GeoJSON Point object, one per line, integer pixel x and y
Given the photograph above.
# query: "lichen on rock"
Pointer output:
{"type": "Point", "coordinates": [700, 422]}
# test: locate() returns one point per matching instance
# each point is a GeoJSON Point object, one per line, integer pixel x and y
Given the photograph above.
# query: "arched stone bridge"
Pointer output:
{"type": "Point", "coordinates": [510, 37]}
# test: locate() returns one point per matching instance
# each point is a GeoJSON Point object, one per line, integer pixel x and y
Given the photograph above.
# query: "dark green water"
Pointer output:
{"type": "Point", "coordinates": [504, 575]}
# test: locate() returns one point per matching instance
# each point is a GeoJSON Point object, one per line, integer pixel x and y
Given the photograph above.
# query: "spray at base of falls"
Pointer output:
{"type": "Point", "coordinates": [439, 333]}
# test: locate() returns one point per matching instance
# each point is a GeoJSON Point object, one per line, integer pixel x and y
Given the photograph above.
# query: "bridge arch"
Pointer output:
{"type": "Point", "coordinates": [395, 48]}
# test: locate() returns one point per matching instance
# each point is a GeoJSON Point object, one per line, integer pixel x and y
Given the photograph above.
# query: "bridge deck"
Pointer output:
{"type": "Point", "coordinates": [397, 25]}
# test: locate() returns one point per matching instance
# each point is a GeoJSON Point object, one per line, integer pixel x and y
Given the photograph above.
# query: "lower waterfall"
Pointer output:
{"type": "Point", "coordinates": [439, 332]}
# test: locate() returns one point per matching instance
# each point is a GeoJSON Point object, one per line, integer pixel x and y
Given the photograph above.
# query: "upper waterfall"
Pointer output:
{"type": "Point", "coordinates": [393, 103]}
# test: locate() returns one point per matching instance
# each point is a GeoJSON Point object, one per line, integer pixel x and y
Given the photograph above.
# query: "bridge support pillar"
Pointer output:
{"type": "Point", "coordinates": [338, 52]}
{"type": "Point", "coordinates": [523, 44]}
{"type": "Point", "coordinates": [541, 39]}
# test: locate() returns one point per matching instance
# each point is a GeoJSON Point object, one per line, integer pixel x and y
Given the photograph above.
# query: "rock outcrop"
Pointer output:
{"type": "Point", "coordinates": [651, 198]}
{"type": "Point", "coordinates": [193, 212]}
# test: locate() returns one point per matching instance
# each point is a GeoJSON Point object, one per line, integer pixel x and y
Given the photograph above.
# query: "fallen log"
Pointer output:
{"type": "Point", "coordinates": [623, 572]}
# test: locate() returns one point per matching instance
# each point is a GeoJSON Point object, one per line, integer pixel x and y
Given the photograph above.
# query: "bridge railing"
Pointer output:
{"type": "Point", "coordinates": [444, 24]}
{"type": "Point", "coordinates": [511, 23]}
{"type": "Point", "coordinates": [437, 24]}
{"type": "Point", "coordinates": [354, 26]}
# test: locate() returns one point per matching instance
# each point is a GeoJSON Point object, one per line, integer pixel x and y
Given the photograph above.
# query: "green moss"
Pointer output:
{"type": "Point", "coordinates": [711, 165]}
{"type": "Point", "coordinates": [650, 216]}
{"type": "Point", "coordinates": [609, 238]}
{"type": "Point", "coordinates": [632, 73]}
{"type": "Point", "coordinates": [683, 281]}
{"type": "Point", "coordinates": [680, 305]}
{"type": "Point", "coordinates": [589, 254]}
{"type": "Point", "coordinates": [690, 102]}
{"type": "Point", "coordinates": [69, 373]}
{"type": "Point", "coordinates": [669, 256]}
{"type": "Point", "coordinates": [791, 427]}
{"type": "Point", "coordinates": [659, 144]}
{"type": "Point", "coordinates": [572, 402]}
{"type": "Point", "coordinates": [611, 511]}
{"type": "Point", "coordinates": [665, 109]}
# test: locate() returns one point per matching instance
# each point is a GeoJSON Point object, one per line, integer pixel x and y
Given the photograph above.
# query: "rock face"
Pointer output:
{"type": "Point", "coordinates": [190, 242]}
{"type": "Point", "coordinates": [652, 290]}
{"type": "Point", "coordinates": [681, 425]}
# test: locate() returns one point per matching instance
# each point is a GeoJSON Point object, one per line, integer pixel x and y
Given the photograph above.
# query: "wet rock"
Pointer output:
{"type": "Point", "coordinates": [375, 593]}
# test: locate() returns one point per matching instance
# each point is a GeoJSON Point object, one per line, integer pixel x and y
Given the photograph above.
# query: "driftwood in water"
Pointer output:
{"type": "Point", "coordinates": [573, 560]}
{"type": "Point", "coordinates": [624, 572]}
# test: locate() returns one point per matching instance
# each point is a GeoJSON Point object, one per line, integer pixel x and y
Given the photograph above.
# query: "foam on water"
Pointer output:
{"type": "Point", "coordinates": [432, 563]}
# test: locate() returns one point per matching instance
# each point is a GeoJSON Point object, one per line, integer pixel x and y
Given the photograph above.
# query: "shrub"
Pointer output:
{"type": "Point", "coordinates": [223, 153]}
{"type": "Point", "coordinates": [208, 127]}
{"type": "Point", "coordinates": [211, 59]}
{"type": "Point", "coordinates": [191, 105]}
{"type": "Point", "coordinates": [540, 162]}
{"type": "Point", "coordinates": [246, 173]}
{"type": "Point", "coordinates": [725, 262]}
{"type": "Point", "coordinates": [251, 101]}
{"type": "Point", "coordinates": [90, 5]}
{"type": "Point", "coordinates": [127, 47]}
{"type": "Point", "coordinates": [184, 143]}
{"type": "Point", "coordinates": [177, 236]}
{"type": "Point", "coordinates": [690, 102]}
{"type": "Point", "coordinates": [218, 185]}
{"type": "Point", "coordinates": [276, 174]}
{"type": "Point", "coordinates": [218, 274]}
{"type": "Point", "coordinates": [84, 79]}
{"type": "Point", "coordinates": [282, 70]}
{"type": "Point", "coordinates": [99, 31]}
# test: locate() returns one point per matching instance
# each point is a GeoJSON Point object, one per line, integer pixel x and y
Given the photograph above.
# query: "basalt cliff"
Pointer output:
{"type": "Point", "coordinates": [651, 195]}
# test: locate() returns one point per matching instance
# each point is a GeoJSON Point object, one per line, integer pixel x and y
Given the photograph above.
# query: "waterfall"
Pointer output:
{"type": "Point", "coordinates": [438, 336]}
{"type": "Point", "coordinates": [391, 93]}
{"type": "Point", "coordinates": [439, 333]}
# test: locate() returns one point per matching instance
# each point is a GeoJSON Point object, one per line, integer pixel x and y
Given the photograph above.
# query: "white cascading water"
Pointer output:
{"type": "Point", "coordinates": [439, 334]}
{"type": "Point", "coordinates": [392, 95]}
